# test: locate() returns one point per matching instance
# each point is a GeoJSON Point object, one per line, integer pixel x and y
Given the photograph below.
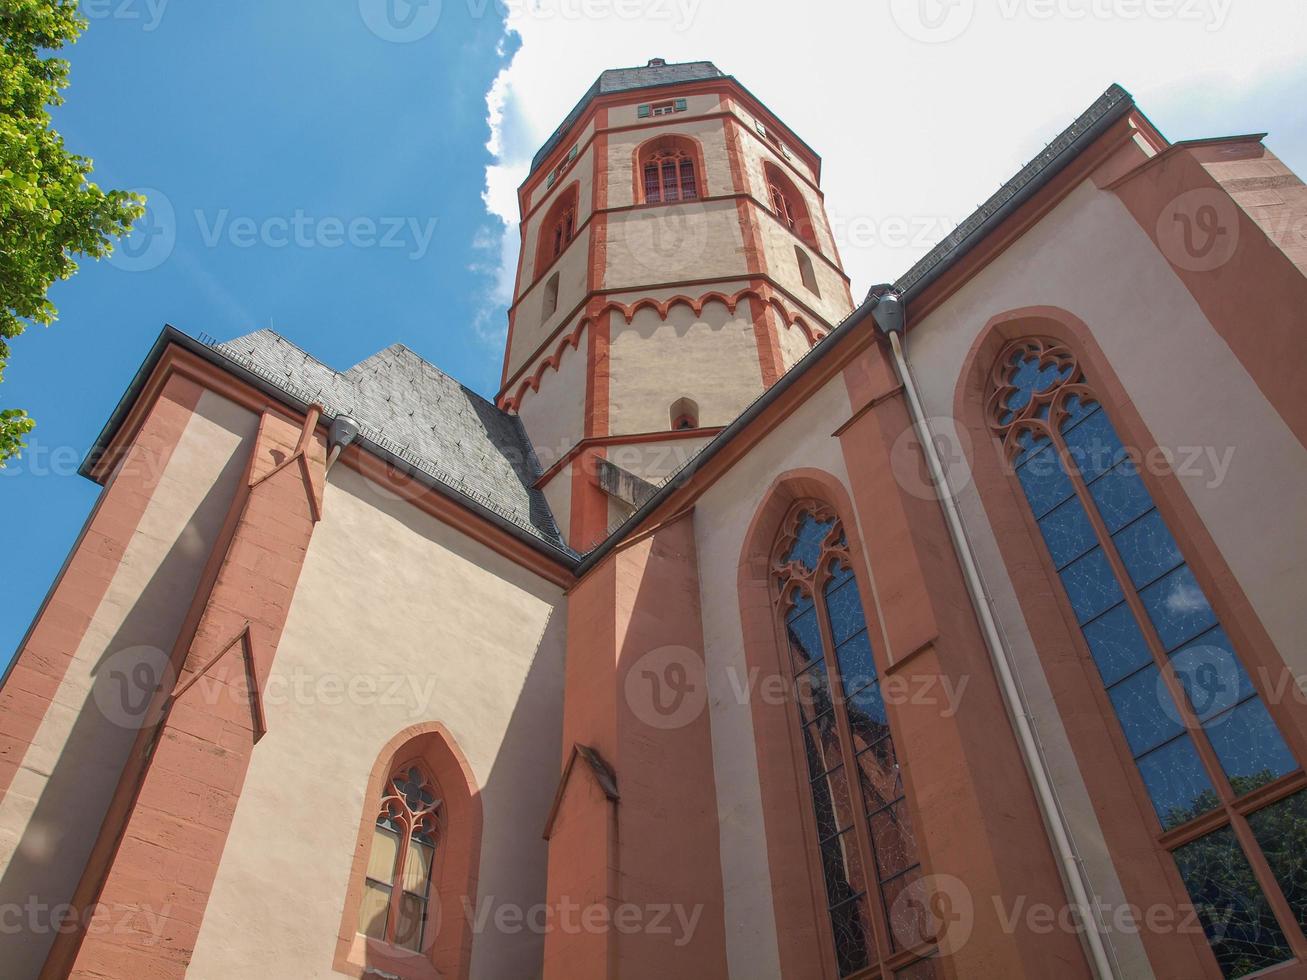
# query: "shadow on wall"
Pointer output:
{"type": "Point", "coordinates": [48, 861]}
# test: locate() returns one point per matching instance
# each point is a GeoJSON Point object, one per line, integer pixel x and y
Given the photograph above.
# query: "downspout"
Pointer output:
{"type": "Point", "coordinates": [890, 316]}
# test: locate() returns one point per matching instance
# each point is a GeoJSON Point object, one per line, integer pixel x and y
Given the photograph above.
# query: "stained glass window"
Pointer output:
{"type": "Point", "coordinates": [1199, 732]}
{"type": "Point", "coordinates": [867, 849]}
{"type": "Point", "coordinates": [397, 883]}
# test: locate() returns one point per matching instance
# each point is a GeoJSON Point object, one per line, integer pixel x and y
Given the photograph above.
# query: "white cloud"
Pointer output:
{"type": "Point", "coordinates": [913, 134]}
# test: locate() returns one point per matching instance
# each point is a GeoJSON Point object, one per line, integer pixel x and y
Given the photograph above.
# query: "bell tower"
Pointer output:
{"type": "Point", "coordinates": [676, 260]}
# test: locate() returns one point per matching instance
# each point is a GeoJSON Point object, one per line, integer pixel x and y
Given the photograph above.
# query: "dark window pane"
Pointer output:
{"type": "Point", "coordinates": [856, 666]}
{"type": "Point", "coordinates": [843, 868]}
{"type": "Point", "coordinates": [805, 639]}
{"type": "Point", "coordinates": [808, 541]}
{"type": "Point", "coordinates": [1147, 549]}
{"type": "Point", "coordinates": [822, 745]}
{"type": "Point", "coordinates": [855, 941]}
{"type": "Point", "coordinates": [892, 840]}
{"type": "Point", "coordinates": [1177, 782]}
{"type": "Point", "coordinates": [867, 716]}
{"type": "Point", "coordinates": [1281, 830]}
{"type": "Point", "coordinates": [1120, 496]}
{"type": "Point", "coordinates": [882, 782]}
{"type": "Point", "coordinates": [1178, 608]}
{"type": "Point", "coordinates": [830, 803]}
{"type": "Point", "coordinates": [1250, 748]}
{"type": "Point", "coordinates": [1146, 711]}
{"type": "Point", "coordinates": [1090, 585]}
{"type": "Point", "coordinates": [1093, 445]}
{"type": "Point", "coordinates": [1117, 644]}
{"type": "Point", "coordinates": [844, 607]}
{"type": "Point", "coordinates": [1045, 484]}
{"type": "Point", "coordinates": [1235, 914]}
{"type": "Point", "coordinates": [812, 691]}
{"type": "Point", "coordinates": [912, 919]}
{"type": "Point", "coordinates": [1210, 672]}
{"type": "Point", "coordinates": [1067, 532]}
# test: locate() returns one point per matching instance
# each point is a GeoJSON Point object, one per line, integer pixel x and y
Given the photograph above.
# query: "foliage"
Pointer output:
{"type": "Point", "coordinates": [49, 210]}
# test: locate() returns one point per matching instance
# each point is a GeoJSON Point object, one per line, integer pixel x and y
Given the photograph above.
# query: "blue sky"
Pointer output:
{"type": "Point", "coordinates": [251, 117]}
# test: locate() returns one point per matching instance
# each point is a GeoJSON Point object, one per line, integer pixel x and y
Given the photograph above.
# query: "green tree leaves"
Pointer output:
{"type": "Point", "coordinates": [49, 209]}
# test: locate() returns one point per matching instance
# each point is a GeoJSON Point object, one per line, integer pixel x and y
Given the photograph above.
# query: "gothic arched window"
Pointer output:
{"type": "Point", "coordinates": [868, 854]}
{"type": "Point", "coordinates": [397, 885]}
{"type": "Point", "coordinates": [668, 170]}
{"type": "Point", "coordinates": [1210, 757]}
{"type": "Point", "coordinates": [788, 205]}
{"type": "Point", "coordinates": [557, 230]}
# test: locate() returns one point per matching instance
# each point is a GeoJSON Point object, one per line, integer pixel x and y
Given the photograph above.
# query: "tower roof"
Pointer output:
{"type": "Point", "coordinates": [652, 75]}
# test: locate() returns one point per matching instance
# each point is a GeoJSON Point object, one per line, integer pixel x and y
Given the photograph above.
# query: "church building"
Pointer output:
{"type": "Point", "coordinates": [753, 630]}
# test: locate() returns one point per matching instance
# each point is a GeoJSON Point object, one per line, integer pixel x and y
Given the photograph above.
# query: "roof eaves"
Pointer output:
{"type": "Point", "coordinates": [299, 400]}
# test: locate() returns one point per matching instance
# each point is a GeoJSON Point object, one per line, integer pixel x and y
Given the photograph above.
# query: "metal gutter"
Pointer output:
{"type": "Point", "coordinates": [170, 335]}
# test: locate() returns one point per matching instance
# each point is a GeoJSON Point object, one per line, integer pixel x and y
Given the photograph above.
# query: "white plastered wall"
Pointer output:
{"type": "Point", "coordinates": [426, 625]}
{"type": "Point", "coordinates": [1190, 390]}
{"type": "Point", "coordinates": [680, 242]}
{"type": "Point", "coordinates": [721, 520]}
{"type": "Point", "coordinates": [554, 415]}
{"type": "Point", "coordinates": [51, 816]}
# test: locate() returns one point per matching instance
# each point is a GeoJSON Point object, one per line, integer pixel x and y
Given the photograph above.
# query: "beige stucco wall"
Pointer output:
{"type": "Point", "coordinates": [436, 628]}
{"type": "Point", "coordinates": [554, 415]}
{"type": "Point", "coordinates": [581, 174]}
{"type": "Point", "coordinates": [721, 519]}
{"type": "Point", "coordinates": [831, 302]}
{"type": "Point", "coordinates": [711, 358]}
{"type": "Point", "coordinates": [794, 343]}
{"type": "Point", "coordinates": [530, 327]}
{"type": "Point", "coordinates": [795, 160]}
{"type": "Point", "coordinates": [628, 115]}
{"type": "Point", "coordinates": [1141, 315]}
{"type": "Point", "coordinates": [679, 242]}
{"type": "Point", "coordinates": [51, 816]}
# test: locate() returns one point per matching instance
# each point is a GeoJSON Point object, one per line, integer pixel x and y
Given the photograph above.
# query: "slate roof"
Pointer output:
{"type": "Point", "coordinates": [624, 79]}
{"type": "Point", "coordinates": [411, 407]}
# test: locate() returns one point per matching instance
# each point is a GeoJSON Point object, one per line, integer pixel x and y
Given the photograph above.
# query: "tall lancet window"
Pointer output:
{"type": "Point", "coordinates": [397, 886]}
{"type": "Point", "coordinates": [1225, 787]}
{"type": "Point", "coordinates": [862, 829]}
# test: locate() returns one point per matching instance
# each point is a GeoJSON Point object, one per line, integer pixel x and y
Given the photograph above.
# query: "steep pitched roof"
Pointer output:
{"type": "Point", "coordinates": [613, 80]}
{"type": "Point", "coordinates": [414, 409]}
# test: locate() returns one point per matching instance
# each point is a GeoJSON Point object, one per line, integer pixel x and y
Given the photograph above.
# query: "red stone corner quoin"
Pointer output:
{"type": "Point", "coordinates": [171, 844]}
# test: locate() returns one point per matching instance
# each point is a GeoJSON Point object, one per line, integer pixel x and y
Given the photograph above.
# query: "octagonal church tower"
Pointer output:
{"type": "Point", "coordinates": [676, 260]}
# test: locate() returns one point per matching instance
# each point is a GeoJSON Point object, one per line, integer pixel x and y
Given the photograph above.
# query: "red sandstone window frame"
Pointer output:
{"type": "Point", "coordinates": [557, 229]}
{"type": "Point", "coordinates": [789, 206]}
{"type": "Point", "coordinates": [1044, 415]}
{"type": "Point", "coordinates": [446, 948]}
{"type": "Point", "coordinates": [787, 578]}
{"type": "Point", "coordinates": [668, 169]}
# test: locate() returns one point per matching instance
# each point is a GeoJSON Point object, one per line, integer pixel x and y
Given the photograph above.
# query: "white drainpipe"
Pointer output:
{"type": "Point", "coordinates": [889, 314]}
